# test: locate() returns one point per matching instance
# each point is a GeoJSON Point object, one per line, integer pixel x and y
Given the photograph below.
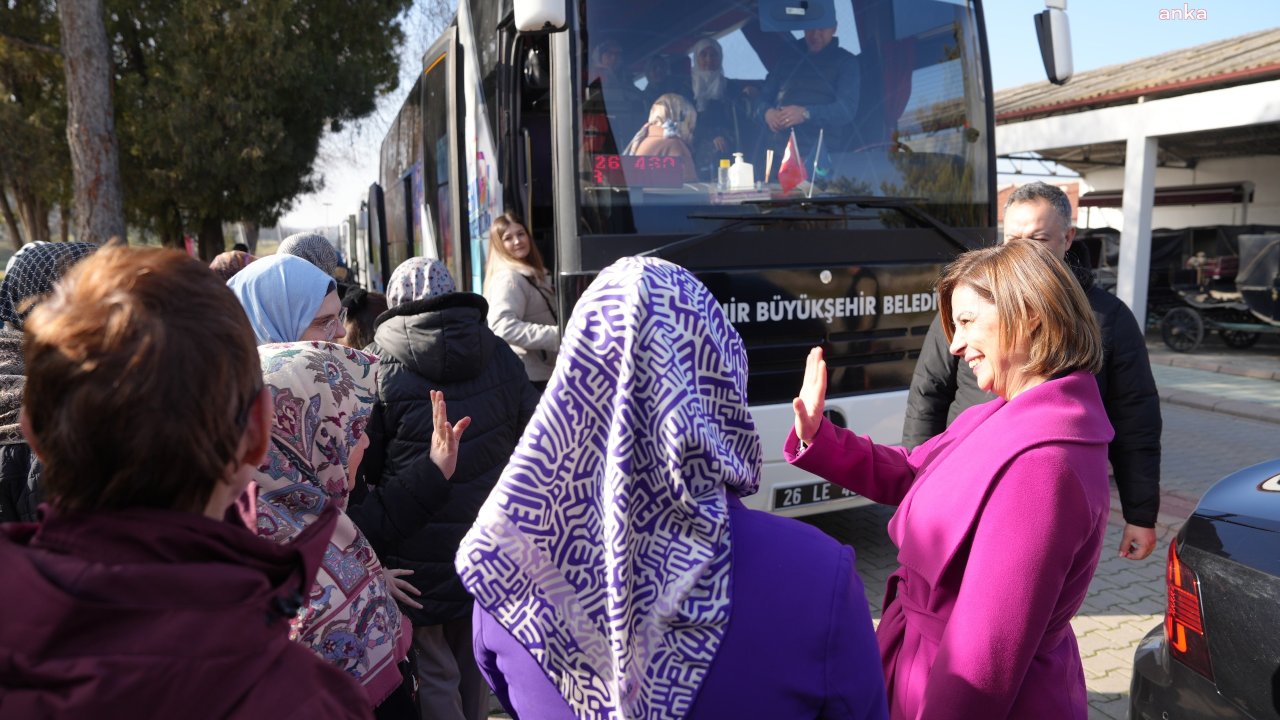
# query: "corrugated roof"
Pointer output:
{"type": "Point", "coordinates": [1235, 61]}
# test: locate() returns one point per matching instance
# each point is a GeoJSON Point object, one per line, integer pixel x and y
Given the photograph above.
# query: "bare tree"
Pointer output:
{"type": "Point", "coordinates": [91, 134]}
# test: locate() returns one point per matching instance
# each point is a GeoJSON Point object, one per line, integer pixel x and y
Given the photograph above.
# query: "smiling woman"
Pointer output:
{"type": "Point", "coordinates": [521, 298]}
{"type": "Point", "coordinates": [1017, 317]}
{"type": "Point", "coordinates": [1000, 518]}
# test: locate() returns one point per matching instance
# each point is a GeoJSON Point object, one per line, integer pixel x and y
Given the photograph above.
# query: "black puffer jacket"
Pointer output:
{"type": "Point", "coordinates": [943, 387]}
{"type": "Point", "coordinates": [442, 343]}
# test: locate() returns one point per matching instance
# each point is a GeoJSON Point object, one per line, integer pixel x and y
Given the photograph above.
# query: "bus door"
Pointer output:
{"type": "Point", "coordinates": [443, 187]}
{"type": "Point", "coordinates": [528, 166]}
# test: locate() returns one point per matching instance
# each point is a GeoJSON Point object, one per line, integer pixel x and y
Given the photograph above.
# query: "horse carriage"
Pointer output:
{"type": "Point", "coordinates": [1236, 296]}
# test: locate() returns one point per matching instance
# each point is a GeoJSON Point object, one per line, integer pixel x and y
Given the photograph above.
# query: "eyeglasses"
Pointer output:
{"type": "Point", "coordinates": [331, 325]}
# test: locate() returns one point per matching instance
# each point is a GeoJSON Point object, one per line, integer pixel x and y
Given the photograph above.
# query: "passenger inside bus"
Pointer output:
{"type": "Point", "coordinates": [661, 79]}
{"type": "Point", "coordinates": [615, 101]}
{"type": "Point", "coordinates": [813, 91]}
{"type": "Point", "coordinates": [668, 134]}
{"type": "Point", "coordinates": [722, 111]}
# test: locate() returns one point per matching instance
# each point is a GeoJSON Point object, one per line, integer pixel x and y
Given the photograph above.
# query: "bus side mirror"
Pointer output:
{"type": "Point", "coordinates": [1055, 41]}
{"type": "Point", "coordinates": [540, 15]}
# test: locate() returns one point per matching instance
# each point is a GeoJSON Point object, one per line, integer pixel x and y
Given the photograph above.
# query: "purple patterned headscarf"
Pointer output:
{"type": "Point", "coordinates": [605, 546]}
{"type": "Point", "coordinates": [418, 278]}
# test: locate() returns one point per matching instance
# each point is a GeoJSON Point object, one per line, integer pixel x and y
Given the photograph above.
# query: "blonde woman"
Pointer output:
{"type": "Point", "coordinates": [669, 132]}
{"type": "Point", "coordinates": [521, 298]}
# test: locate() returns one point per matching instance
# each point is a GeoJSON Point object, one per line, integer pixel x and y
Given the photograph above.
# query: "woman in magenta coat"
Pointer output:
{"type": "Point", "coordinates": [1000, 518]}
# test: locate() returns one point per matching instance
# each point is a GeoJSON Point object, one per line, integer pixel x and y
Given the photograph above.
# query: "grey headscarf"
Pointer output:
{"type": "Point", "coordinates": [418, 278]}
{"type": "Point", "coordinates": [312, 247]}
{"type": "Point", "coordinates": [35, 270]}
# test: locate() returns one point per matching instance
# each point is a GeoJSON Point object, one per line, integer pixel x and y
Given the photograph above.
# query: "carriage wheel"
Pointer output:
{"type": "Point", "coordinates": [1182, 329]}
{"type": "Point", "coordinates": [1239, 339]}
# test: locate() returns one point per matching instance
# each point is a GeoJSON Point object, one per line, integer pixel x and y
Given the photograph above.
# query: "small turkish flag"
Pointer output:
{"type": "Point", "coordinates": [791, 173]}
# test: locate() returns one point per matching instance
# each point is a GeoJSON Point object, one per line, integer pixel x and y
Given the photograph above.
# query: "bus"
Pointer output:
{"type": "Point", "coordinates": [538, 120]}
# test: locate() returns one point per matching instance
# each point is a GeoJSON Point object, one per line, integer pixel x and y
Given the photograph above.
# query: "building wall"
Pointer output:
{"type": "Point", "coordinates": [1262, 170]}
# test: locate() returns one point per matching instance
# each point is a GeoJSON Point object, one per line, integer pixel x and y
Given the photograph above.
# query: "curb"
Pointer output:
{"type": "Point", "coordinates": [1197, 363]}
{"type": "Point", "coordinates": [1204, 401]}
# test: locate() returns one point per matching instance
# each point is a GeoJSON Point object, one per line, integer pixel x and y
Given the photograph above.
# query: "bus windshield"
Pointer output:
{"type": "Point", "coordinates": [887, 99]}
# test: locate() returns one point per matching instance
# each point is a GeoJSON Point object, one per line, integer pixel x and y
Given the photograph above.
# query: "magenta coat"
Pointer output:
{"type": "Point", "coordinates": [999, 528]}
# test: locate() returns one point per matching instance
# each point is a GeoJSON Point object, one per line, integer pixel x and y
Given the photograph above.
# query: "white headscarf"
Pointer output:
{"type": "Point", "coordinates": [708, 84]}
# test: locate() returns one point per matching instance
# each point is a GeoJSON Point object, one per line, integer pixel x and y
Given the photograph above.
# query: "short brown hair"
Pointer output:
{"type": "Point", "coordinates": [1025, 281]}
{"type": "Point", "coordinates": [533, 260]}
{"type": "Point", "coordinates": [142, 368]}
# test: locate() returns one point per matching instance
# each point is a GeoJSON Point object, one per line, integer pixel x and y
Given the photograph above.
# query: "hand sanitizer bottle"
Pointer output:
{"type": "Point", "coordinates": [722, 176]}
{"type": "Point", "coordinates": [741, 175]}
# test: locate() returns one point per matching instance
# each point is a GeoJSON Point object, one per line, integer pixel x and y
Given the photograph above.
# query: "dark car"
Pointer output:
{"type": "Point", "coordinates": [1217, 655]}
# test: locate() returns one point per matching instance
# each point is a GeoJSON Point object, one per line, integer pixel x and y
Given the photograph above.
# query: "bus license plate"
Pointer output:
{"type": "Point", "coordinates": [809, 494]}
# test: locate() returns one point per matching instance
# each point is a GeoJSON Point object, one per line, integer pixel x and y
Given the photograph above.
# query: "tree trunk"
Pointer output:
{"type": "Point", "coordinates": [169, 228]}
{"type": "Point", "coordinates": [249, 235]}
{"type": "Point", "coordinates": [91, 132]}
{"type": "Point", "coordinates": [33, 213]}
{"type": "Point", "coordinates": [10, 222]}
{"type": "Point", "coordinates": [64, 217]}
{"type": "Point", "coordinates": [211, 240]}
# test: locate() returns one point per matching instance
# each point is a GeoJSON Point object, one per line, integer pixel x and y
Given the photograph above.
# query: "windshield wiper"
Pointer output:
{"type": "Point", "coordinates": [906, 206]}
{"type": "Point", "coordinates": [737, 222]}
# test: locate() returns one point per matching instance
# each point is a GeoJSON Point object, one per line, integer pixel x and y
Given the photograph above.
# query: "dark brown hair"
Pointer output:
{"type": "Point", "coordinates": [1025, 281]}
{"type": "Point", "coordinates": [363, 308]}
{"type": "Point", "coordinates": [142, 368]}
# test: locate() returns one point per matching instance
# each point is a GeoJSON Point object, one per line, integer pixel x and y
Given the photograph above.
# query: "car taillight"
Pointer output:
{"type": "Point", "coordinates": [1183, 621]}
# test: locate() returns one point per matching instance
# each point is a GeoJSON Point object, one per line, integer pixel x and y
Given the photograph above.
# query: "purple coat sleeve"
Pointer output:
{"type": "Point", "coordinates": [515, 677]}
{"type": "Point", "coordinates": [858, 695]}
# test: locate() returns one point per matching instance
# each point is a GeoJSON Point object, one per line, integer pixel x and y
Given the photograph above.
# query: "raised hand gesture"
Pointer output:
{"type": "Point", "coordinates": [445, 437]}
{"type": "Point", "coordinates": [813, 395]}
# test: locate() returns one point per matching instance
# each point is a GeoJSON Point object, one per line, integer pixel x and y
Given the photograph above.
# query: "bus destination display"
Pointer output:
{"type": "Point", "coordinates": [638, 171]}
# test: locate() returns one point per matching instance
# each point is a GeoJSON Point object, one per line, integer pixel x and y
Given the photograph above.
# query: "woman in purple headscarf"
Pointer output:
{"type": "Point", "coordinates": [435, 339]}
{"type": "Point", "coordinates": [617, 573]}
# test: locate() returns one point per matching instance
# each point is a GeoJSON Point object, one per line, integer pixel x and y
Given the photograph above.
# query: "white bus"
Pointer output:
{"type": "Point", "coordinates": [527, 120]}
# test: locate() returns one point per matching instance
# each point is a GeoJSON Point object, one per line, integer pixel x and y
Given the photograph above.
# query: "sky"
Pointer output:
{"type": "Point", "coordinates": [1103, 32]}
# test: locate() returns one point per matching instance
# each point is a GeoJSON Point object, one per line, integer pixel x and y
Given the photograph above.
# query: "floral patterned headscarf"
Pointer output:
{"type": "Point", "coordinates": [322, 395]}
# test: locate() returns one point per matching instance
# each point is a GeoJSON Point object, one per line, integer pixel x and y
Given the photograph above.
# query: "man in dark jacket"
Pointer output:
{"type": "Point", "coordinates": [438, 339]}
{"type": "Point", "coordinates": [143, 592]}
{"type": "Point", "coordinates": [943, 387]}
{"type": "Point", "coordinates": [814, 88]}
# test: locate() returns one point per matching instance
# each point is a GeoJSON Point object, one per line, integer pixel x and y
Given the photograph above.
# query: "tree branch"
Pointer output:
{"type": "Point", "coordinates": [30, 44]}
